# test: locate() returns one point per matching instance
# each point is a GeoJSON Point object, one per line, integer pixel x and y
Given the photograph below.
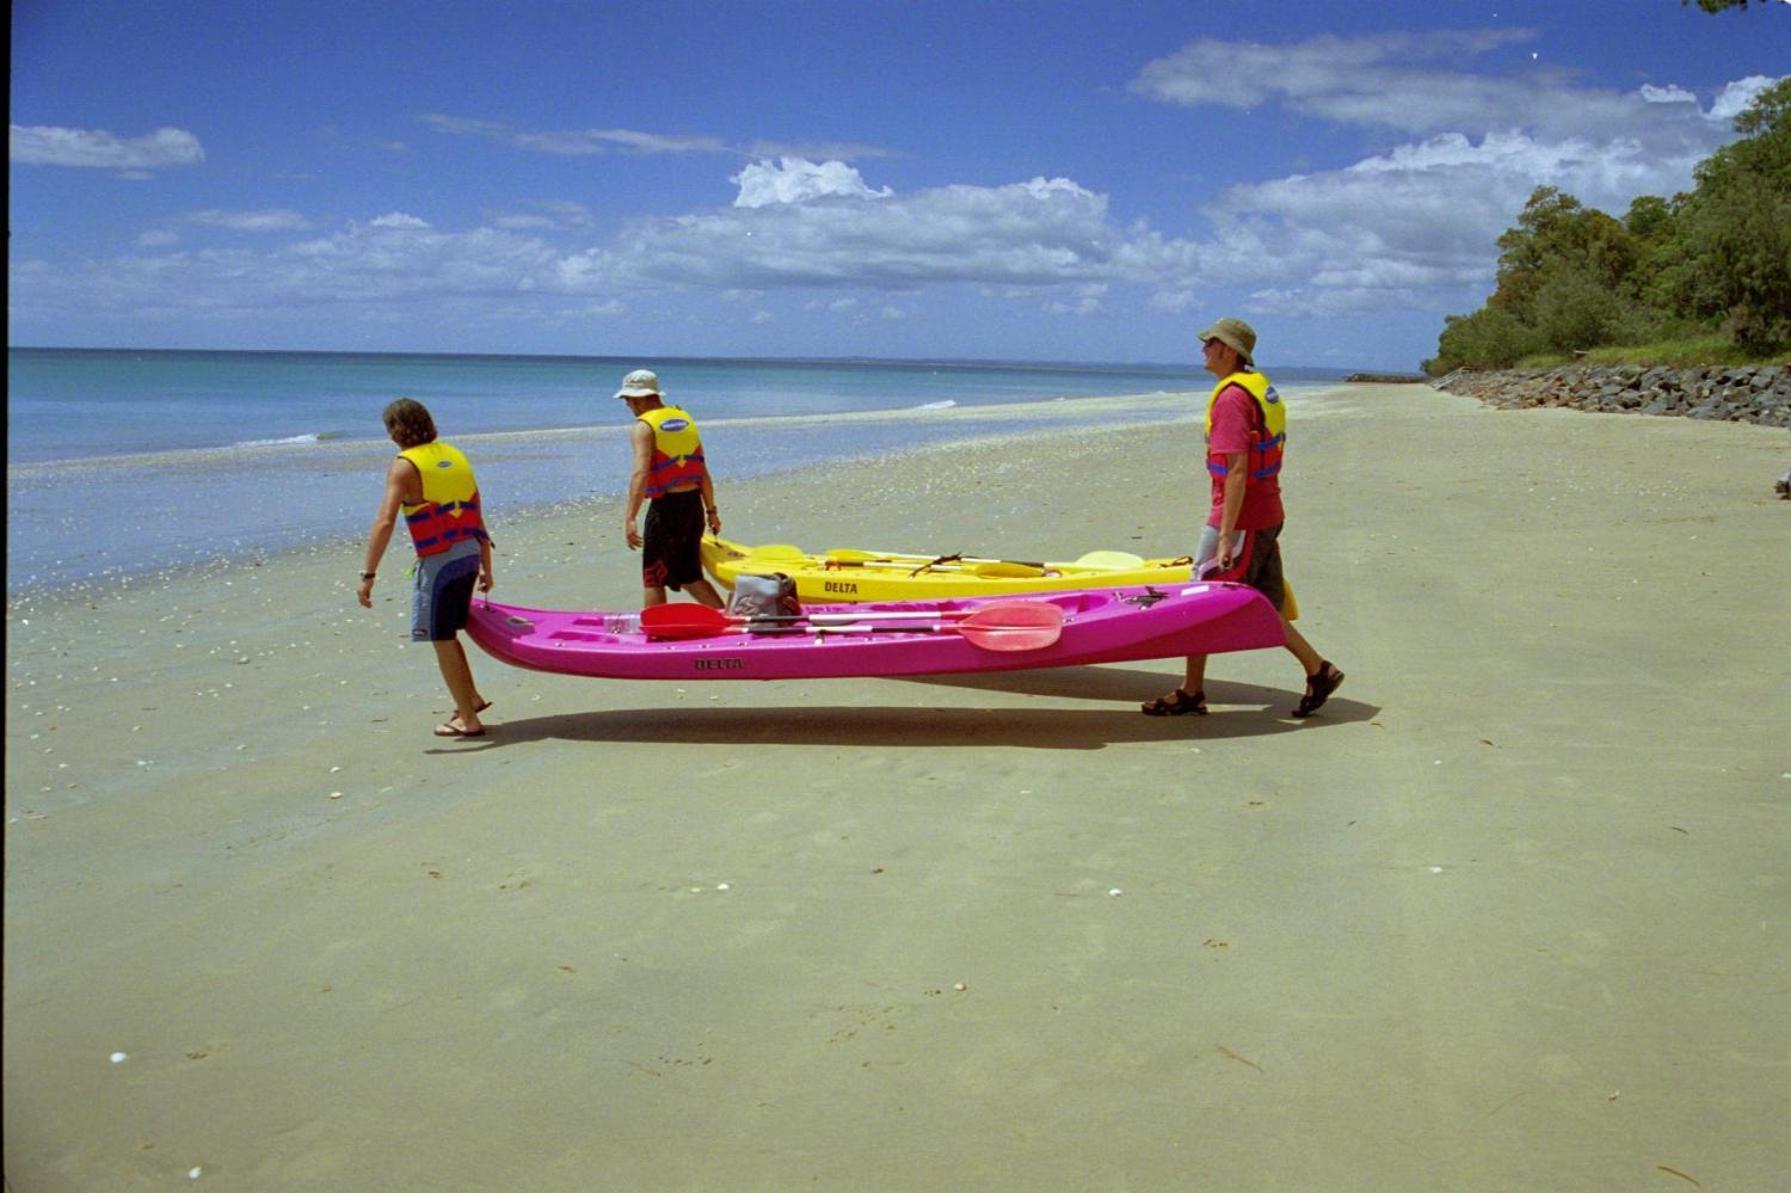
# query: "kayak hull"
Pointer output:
{"type": "Point", "coordinates": [1099, 626]}
{"type": "Point", "coordinates": [856, 576]}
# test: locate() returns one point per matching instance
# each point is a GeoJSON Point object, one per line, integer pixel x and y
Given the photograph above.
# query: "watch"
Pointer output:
{"type": "Point", "coordinates": [368, 575]}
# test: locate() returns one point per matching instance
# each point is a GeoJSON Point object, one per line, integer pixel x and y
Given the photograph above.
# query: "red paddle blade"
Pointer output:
{"type": "Point", "coordinates": [1013, 625]}
{"type": "Point", "coordinates": [684, 621]}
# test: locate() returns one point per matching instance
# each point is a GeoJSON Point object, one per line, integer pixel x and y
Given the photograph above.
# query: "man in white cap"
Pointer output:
{"type": "Point", "coordinates": [671, 474]}
{"type": "Point", "coordinates": [1246, 432]}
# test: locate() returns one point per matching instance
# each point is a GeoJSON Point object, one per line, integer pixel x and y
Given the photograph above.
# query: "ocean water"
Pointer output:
{"type": "Point", "coordinates": [122, 462]}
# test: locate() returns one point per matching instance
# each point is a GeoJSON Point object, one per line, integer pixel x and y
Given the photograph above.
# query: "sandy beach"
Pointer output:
{"type": "Point", "coordinates": [1511, 913]}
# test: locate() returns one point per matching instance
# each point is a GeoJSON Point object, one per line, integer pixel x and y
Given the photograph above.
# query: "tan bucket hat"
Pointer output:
{"type": "Point", "coordinates": [1236, 333]}
{"type": "Point", "coordinates": [642, 383]}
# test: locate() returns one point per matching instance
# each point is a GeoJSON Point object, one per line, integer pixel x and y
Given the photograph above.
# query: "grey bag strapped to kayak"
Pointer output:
{"type": "Point", "coordinates": [764, 596]}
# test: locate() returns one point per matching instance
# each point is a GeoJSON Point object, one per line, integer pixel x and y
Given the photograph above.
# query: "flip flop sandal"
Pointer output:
{"type": "Point", "coordinates": [449, 729]}
{"type": "Point", "coordinates": [1178, 703]}
{"type": "Point", "coordinates": [1319, 686]}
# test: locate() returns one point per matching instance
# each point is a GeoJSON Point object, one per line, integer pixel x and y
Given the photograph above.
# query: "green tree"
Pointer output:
{"type": "Point", "coordinates": [1652, 224]}
{"type": "Point", "coordinates": [1527, 248]}
{"type": "Point", "coordinates": [1732, 257]}
{"type": "Point", "coordinates": [1570, 277]}
{"type": "Point", "coordinates": [1556, 234]}
{"type": "Point", "coordinates": [1490, 338]}
{"type": "Point", "coordinates": [1574, 310]}
{"type": "Point", "coordinates": [1649, 220]}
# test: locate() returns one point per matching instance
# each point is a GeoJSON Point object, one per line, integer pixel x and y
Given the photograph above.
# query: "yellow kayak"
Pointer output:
{"type": "Point", "coordinates": [849, 575]}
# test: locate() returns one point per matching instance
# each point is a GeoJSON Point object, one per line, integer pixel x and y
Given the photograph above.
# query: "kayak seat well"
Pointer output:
{"type": "Point", "coordinates": [1110, 560]}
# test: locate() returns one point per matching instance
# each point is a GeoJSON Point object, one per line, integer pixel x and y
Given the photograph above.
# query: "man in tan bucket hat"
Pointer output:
{"type": "Point", "coordinates": [671, 475]}
{"type": "Point", "coordinates": [1246, 433]}
{"type": "Point", "coordinates": [1235, 334]}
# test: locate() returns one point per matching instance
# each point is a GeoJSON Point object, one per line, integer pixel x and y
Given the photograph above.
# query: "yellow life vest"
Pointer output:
{"type": "Point", "coordinates": [677, 451]}
{"type": "Point", "coordinates": [1271, 441]}
{"type": "Point", "coordinates": [449, 512]}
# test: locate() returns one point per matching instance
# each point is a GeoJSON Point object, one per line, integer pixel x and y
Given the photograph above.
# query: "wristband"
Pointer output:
{"type": "Point", "coordinates": [368, 575]}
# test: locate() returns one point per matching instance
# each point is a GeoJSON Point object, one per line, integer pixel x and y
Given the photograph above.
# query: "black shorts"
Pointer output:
{"type": "Point", "coordinates": [1260, 566]}
{"type": "Point", "coordinates": [670, 555]}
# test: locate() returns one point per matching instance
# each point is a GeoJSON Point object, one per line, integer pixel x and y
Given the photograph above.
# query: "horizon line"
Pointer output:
{"type": "Point", "coordinates": [992, 361]}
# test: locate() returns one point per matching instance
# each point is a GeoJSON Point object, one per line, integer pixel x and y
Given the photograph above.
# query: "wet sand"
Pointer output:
{"type": "Point", "coordinates": [1511, 913]}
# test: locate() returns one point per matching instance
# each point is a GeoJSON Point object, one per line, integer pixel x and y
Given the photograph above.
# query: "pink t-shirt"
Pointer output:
{"type": "Point", "coordinates": [1237, 420]}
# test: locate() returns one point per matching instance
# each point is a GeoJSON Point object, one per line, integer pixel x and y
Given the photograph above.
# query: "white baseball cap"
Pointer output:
{"type": "Point", "coordinates": [642, 383]}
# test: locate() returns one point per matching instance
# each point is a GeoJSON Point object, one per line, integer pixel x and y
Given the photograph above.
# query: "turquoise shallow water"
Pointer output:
{"type": "Point", "coordinates": [121, 462]}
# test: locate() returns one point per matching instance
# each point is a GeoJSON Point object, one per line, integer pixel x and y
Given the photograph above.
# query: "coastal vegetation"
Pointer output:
{"type": "Point", "coordinates": [1701, 278]}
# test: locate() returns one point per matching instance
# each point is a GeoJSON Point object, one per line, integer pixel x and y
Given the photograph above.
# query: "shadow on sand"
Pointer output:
{"type": "Point", "coordinates": [934, 727]}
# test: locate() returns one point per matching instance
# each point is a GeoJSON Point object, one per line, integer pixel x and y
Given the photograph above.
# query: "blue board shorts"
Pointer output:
{"type": "Point", "coordinates": [443, 595]}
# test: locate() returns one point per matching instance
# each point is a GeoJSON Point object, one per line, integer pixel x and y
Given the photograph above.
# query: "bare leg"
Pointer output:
{"type": "Point", "coordinates": [652, 594]}
{"type": "Point", "coordinates": [1302, 650]}
{"type": "Point", "coordinates": [704, 593]}
{"type": "Point", "coordinates": [450, 656]}
{"type": "Point", "coordinates": [1194, 676]}
{"type": "Point", "coordinates": [1322, 677]}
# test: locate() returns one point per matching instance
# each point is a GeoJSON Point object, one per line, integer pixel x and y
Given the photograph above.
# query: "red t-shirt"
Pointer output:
{"type": "Point", "coordinates": [1237, 423]}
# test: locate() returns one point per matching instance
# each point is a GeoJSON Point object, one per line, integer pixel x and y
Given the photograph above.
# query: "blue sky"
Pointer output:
{"type": "Point", "coordinates": [998, 180]}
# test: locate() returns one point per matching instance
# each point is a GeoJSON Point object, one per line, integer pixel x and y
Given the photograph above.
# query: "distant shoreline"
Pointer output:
{"type": "Point", "coordinates": [967, 362]}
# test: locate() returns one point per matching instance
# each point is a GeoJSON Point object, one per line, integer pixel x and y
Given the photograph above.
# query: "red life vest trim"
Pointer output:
{"type": "Point", "coordinates": [455, 514]}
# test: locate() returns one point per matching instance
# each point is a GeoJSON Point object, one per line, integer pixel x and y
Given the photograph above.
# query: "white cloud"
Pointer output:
{"type": "Point", "coordinates": [272, 220]}
{"type": "Point", "coordinates": [368, 268]}
{"type": "Point", "coordinates": [46, 145]}
{"type": "Point", "coordinates": [1418, 83]}
{"type": "Point", "coordinates": [157, 238]}
{"type": "Point", "coordinates": [547, 215]}
{"type": "Point", "coordinates": [822, 150]}
{"type": "Point", "coordinates": [1735, 97]}
{"type": "Point", "coordinates": [1402, 228]}
{"type": "Point", "coordinates": [1420, 219]}
{"type": "Point", "coordinates": [585, 142]}
{"type": "Point", "coordinates": [1411, 226]}
{"type": "Point", "coordinates": [826, 233]}
{"type": "Point", "coordinates": [1360, 80]}
{"type": "Point", "coordinates": [582, 142]}
{"type": "Point", "coordinates": [1452, 181]}
{"type": "Point", "coordinates": [798, 180]}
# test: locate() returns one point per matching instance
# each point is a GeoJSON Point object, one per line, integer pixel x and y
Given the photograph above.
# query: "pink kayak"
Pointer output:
{"type": "Point", "coordinates": [1059, 629]}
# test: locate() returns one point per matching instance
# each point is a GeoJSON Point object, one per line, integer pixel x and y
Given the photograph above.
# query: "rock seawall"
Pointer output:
{"type": "Point", "coordinates": [1747, 393]}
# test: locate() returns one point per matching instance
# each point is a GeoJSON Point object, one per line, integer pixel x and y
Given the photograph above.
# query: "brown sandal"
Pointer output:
{"type": "Point", "coordinates": [1178, 703]}
{"type": "Point", "coordinates": [1319, 686]}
